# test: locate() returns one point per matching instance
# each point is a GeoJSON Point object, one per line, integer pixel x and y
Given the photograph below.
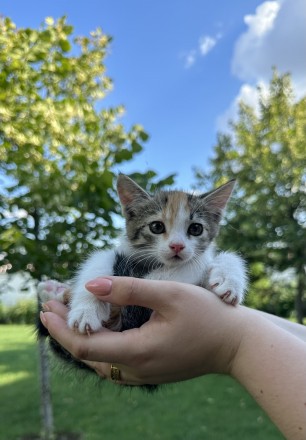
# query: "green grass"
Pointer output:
{"type": "Point", "coordinates": [212, 407]}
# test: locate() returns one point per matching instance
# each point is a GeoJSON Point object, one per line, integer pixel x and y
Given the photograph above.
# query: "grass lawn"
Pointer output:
{"type": "Point", "coordinates": [213, 407]}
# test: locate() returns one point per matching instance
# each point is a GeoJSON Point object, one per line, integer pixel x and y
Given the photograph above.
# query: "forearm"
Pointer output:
{"type": "Point", "coordinates": [298, 330]}
{"type": "Point", "coordinates": [271, 364]}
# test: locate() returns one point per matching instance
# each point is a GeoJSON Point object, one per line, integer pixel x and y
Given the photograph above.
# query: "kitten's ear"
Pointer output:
{"type": "Point", "coordinates": [217, 199]}
{"type": "Point", "coordinates": [129, 191]}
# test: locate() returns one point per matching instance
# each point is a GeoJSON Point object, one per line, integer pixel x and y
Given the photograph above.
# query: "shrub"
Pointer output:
{"type": "Point", "coordinates": [22, 313]}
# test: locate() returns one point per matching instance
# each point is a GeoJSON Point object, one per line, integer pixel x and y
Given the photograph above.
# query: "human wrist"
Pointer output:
{"type": "Point", "coordinates": [227, 331]}
{"type": "Point", "coordinates": [237, 363]}
{"type": "Point", "coordinates": [235, 333]}
{"type": "Point", "coordinates": [256, 332]}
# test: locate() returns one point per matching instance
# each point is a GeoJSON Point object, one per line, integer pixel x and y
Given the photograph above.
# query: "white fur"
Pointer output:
{"type": "Point", "coordinates": [224, 274]}
{"type": "Point", "coordinates": [227, 277]}
{"type": "Point", "coordinates": [87, 312]}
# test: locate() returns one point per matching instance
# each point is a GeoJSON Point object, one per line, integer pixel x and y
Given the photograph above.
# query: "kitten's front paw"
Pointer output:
{"type": "Point", "coordinates": [88, 318]}
{"type": "Point", "coordinates": [226, 286]}
{"type": "Point", "coordinates": [52, 289]}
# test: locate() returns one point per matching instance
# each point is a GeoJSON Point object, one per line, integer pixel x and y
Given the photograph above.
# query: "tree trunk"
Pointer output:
{"type": "Point", "coordinates": [45, 385]}
{"type": "Point", "coordinates": [45, 391]}
{"type": "Point", "coordinates": [299, 303]}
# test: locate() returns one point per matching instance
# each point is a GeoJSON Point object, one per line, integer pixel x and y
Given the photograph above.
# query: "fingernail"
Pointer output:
{"type": "Point", "coordinates": [43, 318]}
{"type": "Point", "coordinates": [45, 307]}
{"type": "Point", "coordinates": [102, 286]}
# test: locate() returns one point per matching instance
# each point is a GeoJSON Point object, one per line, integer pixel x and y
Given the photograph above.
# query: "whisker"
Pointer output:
{"type": "Point", "coordinates": [144, 259]}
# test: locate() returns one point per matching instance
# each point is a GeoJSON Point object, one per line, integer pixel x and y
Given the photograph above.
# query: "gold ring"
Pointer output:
{"type": "Point", "coordinates": [115, 373]}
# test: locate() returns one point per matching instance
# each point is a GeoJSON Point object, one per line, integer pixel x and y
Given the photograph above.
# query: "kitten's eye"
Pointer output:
{"type": "Point", "coordinates": [157, 227]}
{"type": "Point", "coordinates": [195, 229]}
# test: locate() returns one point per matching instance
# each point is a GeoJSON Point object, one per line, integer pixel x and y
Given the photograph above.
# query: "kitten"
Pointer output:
{"type": "Point", "coordinates": [169, 236]}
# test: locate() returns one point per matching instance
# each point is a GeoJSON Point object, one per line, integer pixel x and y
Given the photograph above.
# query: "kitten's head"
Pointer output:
{"type": "Point", "coordinates": [171, 227]}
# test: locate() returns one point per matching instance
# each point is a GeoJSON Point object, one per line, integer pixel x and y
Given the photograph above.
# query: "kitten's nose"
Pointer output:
{"type": "Point", "coordinates": [176, 247]}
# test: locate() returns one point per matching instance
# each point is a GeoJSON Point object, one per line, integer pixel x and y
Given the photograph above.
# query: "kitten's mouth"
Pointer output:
{"type": "Point", "coordinates": [176, 259]}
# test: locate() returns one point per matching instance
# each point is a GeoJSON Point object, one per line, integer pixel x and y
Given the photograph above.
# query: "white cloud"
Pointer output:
{"type": "Point", "coordinates": [262, 22]}
{"type": "Point", "coordinates": [205, 45]}
{"type": "Point", "coordinates": [190, 58]}
{"type": "Point", "coordinates": [250, 52]}
{"type": "Point", "coordinates": [275, 36]}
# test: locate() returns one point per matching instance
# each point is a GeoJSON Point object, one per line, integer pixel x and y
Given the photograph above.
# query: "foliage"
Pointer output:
{"type": "Point", "coordinates": [25, 312]}
{"type": "Point", "coordinates": [271, 292]}
{"type": "Point", "coordinates": [212, 407]}
{"type": "Point", "coordinates": [58, 147]}
{"type": "Point", "coordinates": [265, 152]}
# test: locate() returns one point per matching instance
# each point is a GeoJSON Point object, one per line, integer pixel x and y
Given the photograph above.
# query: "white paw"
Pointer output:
{"type": "Point", "coordinates": [51, 289]}
{"type": "Point", "coordinates": [228, 287]}
{"type": "Point", "coordinates": [88, 317]}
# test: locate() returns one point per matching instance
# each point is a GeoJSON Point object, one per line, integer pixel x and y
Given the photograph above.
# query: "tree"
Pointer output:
{"type": "Point", "coordinates": [58, 147]}
{"type": "Point", "coordinates": [265, 152]}
{"type": "Point", "coordinates": [58, 153]}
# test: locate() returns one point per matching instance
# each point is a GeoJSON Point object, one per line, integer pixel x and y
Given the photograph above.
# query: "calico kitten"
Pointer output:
{"type": "Point", "coordinates": [169, 236]}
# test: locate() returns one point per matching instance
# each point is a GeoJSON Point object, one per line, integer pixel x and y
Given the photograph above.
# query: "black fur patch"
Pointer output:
{"type": "Point", "coordinates": [128, 266]}
{"type": "Point", "coordinates": [132, 316]}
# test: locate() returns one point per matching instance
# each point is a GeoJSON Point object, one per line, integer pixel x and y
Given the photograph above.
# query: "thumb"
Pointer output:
{"type": "Point", "coordinates": [156, 295]}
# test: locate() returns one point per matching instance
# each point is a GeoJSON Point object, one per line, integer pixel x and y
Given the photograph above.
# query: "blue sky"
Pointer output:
{"type": "Point", "coordinates": [179, 67]}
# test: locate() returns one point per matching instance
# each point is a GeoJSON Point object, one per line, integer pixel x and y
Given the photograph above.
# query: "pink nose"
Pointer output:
{"type": "Point", "coordinates": [176, 247]}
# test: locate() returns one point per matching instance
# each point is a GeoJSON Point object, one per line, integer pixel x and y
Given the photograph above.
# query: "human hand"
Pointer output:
{"type": "Point", "coordinates": [190, 333]}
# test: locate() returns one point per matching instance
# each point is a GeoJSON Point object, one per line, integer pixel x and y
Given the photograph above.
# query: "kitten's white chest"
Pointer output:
{"type": "Point", "coordinates": [193, 272]}
{"type": "Point", "coordinates": [179, 275]}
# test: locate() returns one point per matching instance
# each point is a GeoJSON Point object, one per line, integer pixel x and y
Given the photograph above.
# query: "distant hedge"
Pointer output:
{"type": "Point", "coordinates": [24, 312]}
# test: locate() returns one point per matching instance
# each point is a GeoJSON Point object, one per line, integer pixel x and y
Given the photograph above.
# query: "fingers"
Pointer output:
{"type": "Point", "coordinates": [156, 295]}
{"type": "Point", "coordinates": [83, 347]}
{"type": "Point", "coordinates": [56, 307]}
{"type": "Point", "coordinates": [123, 376]}
{"type": "Point", "coordinates": [105, 346]}
{"type": "Point", "coordinates": [103, 369]}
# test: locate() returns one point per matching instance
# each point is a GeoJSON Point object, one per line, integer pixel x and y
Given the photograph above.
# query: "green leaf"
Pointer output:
{"type": "Point", "coordinates": [143, 136]}
{"type": "Point", "coordinates": [49, 21]}
{"type": "Point", "coordinates": [65, 45]}
{"type": "Point", "coordinates": [122, 155]}
{"type": "Point", "coordinates": [10, 236]}
{"type": "Point", "coordinates": [136, 147]}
